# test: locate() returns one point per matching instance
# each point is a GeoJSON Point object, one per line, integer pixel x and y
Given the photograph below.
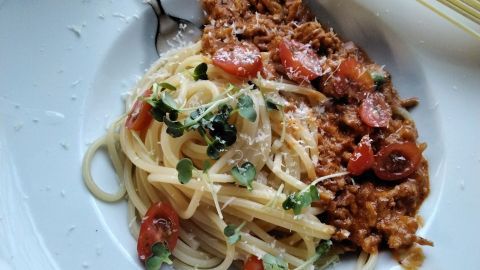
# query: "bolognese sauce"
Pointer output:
{"type": "Point", "coordinates": [376, 205]}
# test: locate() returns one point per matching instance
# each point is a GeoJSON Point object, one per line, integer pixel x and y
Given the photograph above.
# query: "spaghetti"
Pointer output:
{"type": "Point", "coordinates": [270, 141]}
{"type": "Point", "coordinates": [146, 166]}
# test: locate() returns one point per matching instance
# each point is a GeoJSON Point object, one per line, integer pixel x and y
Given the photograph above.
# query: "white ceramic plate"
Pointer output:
{"type": "Point", "coordinates": [65, 64]}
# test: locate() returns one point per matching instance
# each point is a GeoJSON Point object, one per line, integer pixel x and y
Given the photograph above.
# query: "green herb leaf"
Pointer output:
{"type": "Point", "coordinates": [379, 78]}
{"type": "Point", "coordinates": [229, 230]}
{"type": "Point", "coordinates": [174, 128]}
{"type": "Point", "coordinates": [184, 170]}
{"type": "Point", "coordinates": [246, 109]}
{"type": "Point", "coordinates": [300, 200]}
{"type": "Point", "coordinates": [165, 85]}
{"type": "Point", "coordinates": [220, 128]}
{"type": "Point", "coordinates": [233, 233]}
{"type": "Point", "coordinates": [245, 174]}
{"type": "Point", "coordinates": [271, 262]}
{"type": "Point", "coordinates": [323, 248]}
{"type": "Point", "coordinates": [160, 255]}
{"type": "Point", "coordinates": [153, 263]}
{"type": "Point", "coordinates": [192, 123]}
{"type": "Point", "coordinates": [272, 105]}
{"type": "Point", "coordinates": [163, 106]}
{"type": "Point", "coordinates": [200, 72]}
{"type": "Point", "coordinates": [234, 238]}
{"type": "Point", "coordinates": [215, 148]}
{"type": "Point", "coordinates": [206, 166]}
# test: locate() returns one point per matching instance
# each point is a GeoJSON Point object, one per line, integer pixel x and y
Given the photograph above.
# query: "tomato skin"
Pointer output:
{"type": "Point", "coordinates": [242, 60]}
{"type": "Point", "coordinates": [139, 118]}
{"type": "Point", "coordinates": [300, 60]}
{"type": "Point", "coordinates": [253, 263]}
{"type": "Point", "coordinates": [397, 161]}
{"type": "Point", "coordinates": [160, 224]}
{"type": "Point", "coordinates": [375, 111]}
{"type": "Point", "coordinates": [362, 158]}
{"type": "Point", "coordinates": [351, 69]}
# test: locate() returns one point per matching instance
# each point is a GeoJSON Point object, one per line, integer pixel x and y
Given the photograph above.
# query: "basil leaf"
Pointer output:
{"type": "Point", "coordinates": [246, 109]}
{"type": "Point", "coordinates": [200, 72]}
{"type": "Point", "coordinates": [271, 262]}
{"type": "Point", "coordinates": [184, 169]}
{"type": "Point", "coordinates": [245, 174]}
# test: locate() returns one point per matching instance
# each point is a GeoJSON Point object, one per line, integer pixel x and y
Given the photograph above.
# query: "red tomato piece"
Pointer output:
{"type": "Point", "coordinates": [362, 158]}
{"type": "Point", "coordinates": [397, 161]}
{"type": "Point", "coordinates": [140, 117]}
{"type": "Point", "coordinates": [352, 70]}
{"type": "Point", "coordinates": [160, 224]}
{"type": "Point", "coordinates": [375, 111]}
{"type": "Point", "coordinates": [253, 263]}
{"type": "Point", "coordinates": [242, 60]}
{"type": "Point", "coordinates": [300, 60]}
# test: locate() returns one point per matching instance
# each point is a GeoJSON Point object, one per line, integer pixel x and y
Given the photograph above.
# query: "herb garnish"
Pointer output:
{"type": "Point", "coordinates": [322, 249]}
{"type": "Point", "coordinates": [271, 262]}
{"type": "Point", "coordinates": [245, 174]}
{"type": "Point", "coordinates": [163, 106]}
{"type": "Point", "coordinates": [211, 120]}
{"type": "Point", "coordinates": [233, 233]}
{"type": "Point", "coordinates": [200, 72]}
{"type": "Point", "coordinates": [300, 200]}
{"type": "Point", "coordinates": [378, 78]}
{"type": "Point", "coordinates": [184, 169]}
{"type": "Point", "coordinates": [160, 255]}
{"type": "Point", "coordinates": [246, 109]}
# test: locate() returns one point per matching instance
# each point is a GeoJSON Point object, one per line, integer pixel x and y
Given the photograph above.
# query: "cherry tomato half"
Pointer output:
{"type": "Point", "coordinates": [300, 60]}
{"type": "Point", "coordinates": [253, 263]}
{"type": "Point", "coordinates": [242, 60]}
{"type": "Point", "coordinates": [160, 224]}
{"type": "Point", "coordinates": [397, 161]}
{"type": "Point", "coordinates": [362, 158]}
{"type": "Point", "coordinates": [351, 70]}
{"type": "Point", "coordinates": [375, 111]}
{"type": "Point", "coordinates": [140, 117]}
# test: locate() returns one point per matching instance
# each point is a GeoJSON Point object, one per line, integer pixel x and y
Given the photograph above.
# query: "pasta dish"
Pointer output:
{"type": "Point", "coordinates": [268, 144]}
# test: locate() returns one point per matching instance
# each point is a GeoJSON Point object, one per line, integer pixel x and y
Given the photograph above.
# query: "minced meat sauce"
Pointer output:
{"type": "Point", "coordinates": [368, 212]}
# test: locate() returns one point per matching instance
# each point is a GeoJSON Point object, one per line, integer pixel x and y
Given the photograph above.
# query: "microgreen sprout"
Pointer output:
{"type": "Point", "coordinates": [244, 174]}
